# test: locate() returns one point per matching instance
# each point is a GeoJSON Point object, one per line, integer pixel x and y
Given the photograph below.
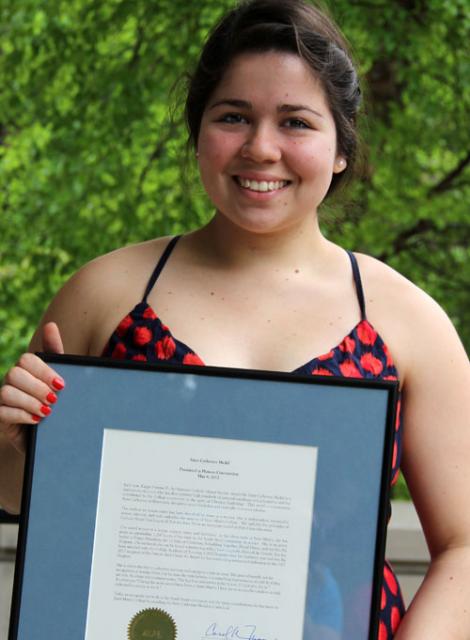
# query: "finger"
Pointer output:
{"type": "Point", "coordinates": [11, 419]}
{"type": "Point", "coordinates": [51, 338]}
{"type": "Point", "coordinates": [34, 376]}
{"type": "Point", "coordinates": [13, 398]}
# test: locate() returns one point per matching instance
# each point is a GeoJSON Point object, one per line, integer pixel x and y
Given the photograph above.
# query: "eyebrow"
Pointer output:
{"type": "Point", "coordinates": [283, 108]}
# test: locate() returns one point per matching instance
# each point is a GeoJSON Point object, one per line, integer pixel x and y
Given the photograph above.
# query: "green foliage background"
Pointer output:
{"type": "Point", "coordinates": [90, 160]}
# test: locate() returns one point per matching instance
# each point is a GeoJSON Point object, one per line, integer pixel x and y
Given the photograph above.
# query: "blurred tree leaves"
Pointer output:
{"type": "Point", "coordinates": [90, 159]}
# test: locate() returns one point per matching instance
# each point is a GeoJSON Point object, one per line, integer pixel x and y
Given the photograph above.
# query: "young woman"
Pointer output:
{"type": "Point", "coordinates": [271, 111]}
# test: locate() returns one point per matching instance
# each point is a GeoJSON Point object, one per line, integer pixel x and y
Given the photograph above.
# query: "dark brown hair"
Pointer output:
{"type": "Point", "coordinates": [294, 26]}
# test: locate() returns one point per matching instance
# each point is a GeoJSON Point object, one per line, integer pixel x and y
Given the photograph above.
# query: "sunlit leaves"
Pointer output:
{"type": "Point", "coordinates": [90, 158]}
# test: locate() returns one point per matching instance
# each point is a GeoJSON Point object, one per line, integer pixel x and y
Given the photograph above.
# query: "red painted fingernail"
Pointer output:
{"type": "Point", "coordinates": [58, 384]}
{"type": "Point", "coordinates": [51, 397]}
{"type": "Point", "coordinates": [45, 410]}
{"type": "Point", "coordinates": [36, 418]}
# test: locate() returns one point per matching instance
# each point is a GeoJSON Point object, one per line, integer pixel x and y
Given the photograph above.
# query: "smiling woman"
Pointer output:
{"type": "Point", "coordinates": [266, 163]}
{"type": "Point", "coordinates": [292, 27]}
{"type": "Point", "coordinates": [271, 112]}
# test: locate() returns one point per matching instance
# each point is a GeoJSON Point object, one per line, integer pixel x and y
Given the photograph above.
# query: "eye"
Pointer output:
{"type": "Point", "coordinates": [296, 123]}
{"type": "Point", "coordinates": [232, 118]}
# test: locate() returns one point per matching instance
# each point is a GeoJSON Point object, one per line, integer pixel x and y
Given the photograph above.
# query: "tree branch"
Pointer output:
{"type": "Point", "coordinates": [420, 230]}
{"type": "Point", "coordinates": [136, 48]}
{"type": "Point", "coordinates": [446, 183]}
{"type": "Point", "coordinates": [401, 241]}
{"type": "Point", "coordinates": [413, 7]}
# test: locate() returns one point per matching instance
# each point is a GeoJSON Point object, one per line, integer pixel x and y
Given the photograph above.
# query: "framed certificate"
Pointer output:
{"type": "Point", "coordinates": [196, 502]}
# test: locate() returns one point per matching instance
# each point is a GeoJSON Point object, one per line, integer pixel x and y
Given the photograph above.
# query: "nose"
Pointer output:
{"type": "Point", "coordinates": [261, 145]}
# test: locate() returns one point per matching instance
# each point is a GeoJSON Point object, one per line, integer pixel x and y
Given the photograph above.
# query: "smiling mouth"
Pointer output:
{"type": "Point", "coordinates": [261, 185]}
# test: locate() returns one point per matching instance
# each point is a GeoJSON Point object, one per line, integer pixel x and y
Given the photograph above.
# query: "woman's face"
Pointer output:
{"type": "Point", "coordinates": [267, 143]}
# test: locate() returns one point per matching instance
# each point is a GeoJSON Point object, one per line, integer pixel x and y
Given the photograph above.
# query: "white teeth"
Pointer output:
{"type": "Point", "coordinates": [263, 185]}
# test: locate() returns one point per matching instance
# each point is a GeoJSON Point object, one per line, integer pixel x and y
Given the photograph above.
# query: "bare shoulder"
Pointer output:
{"type": "Point", "coordinates": [93, 299]}
{"type": "Point", "coordinates": [384, 284]}
{"type": "Point", "coordinates": [120, 266]}
{"type": "Point", "coordinates": [412, 323]}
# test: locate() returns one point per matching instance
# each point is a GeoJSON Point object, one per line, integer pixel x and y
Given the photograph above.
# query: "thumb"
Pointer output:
{"type": "Point", "coordinates": [51, 340]}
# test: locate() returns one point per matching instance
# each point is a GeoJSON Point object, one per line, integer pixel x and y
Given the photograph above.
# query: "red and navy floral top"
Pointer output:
{"type": "Point", "coordinates": [142, 336]}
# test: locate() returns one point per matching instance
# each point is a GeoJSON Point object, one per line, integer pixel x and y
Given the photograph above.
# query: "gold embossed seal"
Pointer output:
{"type": "Point", "coordinates": [152, 624]}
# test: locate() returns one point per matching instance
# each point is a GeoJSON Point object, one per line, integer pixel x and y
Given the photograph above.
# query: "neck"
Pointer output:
{"type": "Point", "coordinates": [234, 247]}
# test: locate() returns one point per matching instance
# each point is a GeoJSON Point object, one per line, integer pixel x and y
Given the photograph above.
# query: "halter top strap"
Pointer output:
{"type": "Point", "coordinates": [358, 284]}
{"type": "Point", "coordinates": [160, 264]}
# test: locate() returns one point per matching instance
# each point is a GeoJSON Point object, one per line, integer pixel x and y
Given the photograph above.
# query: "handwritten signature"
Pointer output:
{"type": "Point", "coordinates": [233, 632]}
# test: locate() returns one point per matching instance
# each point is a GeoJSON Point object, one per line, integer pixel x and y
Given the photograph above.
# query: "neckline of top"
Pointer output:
{"type": "Point", "coordinates": [368, 330]}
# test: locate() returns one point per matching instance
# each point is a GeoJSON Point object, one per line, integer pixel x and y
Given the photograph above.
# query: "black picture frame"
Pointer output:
{"type": "Point", "coordinates": [349, 421]}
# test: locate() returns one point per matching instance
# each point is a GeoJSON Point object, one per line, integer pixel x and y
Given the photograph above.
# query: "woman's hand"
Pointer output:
{"type": "Point", "coordinates": [29, 390]}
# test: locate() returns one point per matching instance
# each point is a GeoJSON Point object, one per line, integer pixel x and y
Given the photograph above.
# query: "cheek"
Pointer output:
{"type": "Point", "coordinates": [214, 148]}
{"type": "Point", "coordinates": [308, 164]}
{"type": "Point", "coordinates": [313, 160]}
{"type": "Point", "coordinates": [215, 155]}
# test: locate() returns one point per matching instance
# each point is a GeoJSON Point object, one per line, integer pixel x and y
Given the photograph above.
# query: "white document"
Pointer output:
{"type": "Point", "coordinates": [213, 534]}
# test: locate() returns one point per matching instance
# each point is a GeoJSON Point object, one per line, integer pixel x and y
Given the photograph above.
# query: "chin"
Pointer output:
{"type": "Point", "coordinates": [259, 225]}
{"type": "Point", "coordinates": [264, 220]}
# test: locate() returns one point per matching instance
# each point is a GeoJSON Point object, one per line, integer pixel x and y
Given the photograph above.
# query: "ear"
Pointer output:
{"type": "Point", "coordinates": [340, 164]}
